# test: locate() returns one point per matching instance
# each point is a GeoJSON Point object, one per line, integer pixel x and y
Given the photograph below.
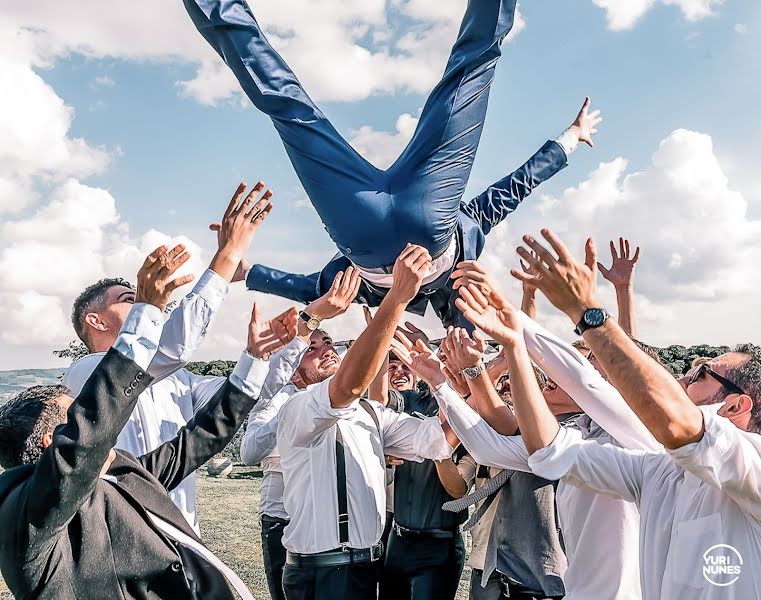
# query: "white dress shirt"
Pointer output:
{"type": "Point", "coordinates": [170, 402]}
{"type": "Point", "coordinates": [692, 499]}
{"type": "Point", "coordinates": [596, 529]}
{"type": "Point", "coordinates": [306, 437]}
{"type": "Point", "coordinates": [259, 444]}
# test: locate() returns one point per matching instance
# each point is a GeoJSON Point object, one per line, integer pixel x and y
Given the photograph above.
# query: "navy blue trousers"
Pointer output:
{"type": "Point", "coordinates": [372, 214]}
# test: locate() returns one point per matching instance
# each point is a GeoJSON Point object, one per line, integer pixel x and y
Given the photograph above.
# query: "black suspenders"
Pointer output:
{"type": "Point", "coordinates": [343, 498]}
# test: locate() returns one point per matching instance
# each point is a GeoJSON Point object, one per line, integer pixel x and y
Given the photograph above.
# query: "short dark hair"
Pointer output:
{"type": "Point", "coordinates": [25, 419]}
{"type": "Point", "coordinates": [747, 376]}
{"type": "Point", "coordinates": [92, 300]}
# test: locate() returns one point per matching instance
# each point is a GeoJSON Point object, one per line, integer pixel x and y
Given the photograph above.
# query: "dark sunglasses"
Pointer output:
{"type": "Point", "coordinates": [729, 385]}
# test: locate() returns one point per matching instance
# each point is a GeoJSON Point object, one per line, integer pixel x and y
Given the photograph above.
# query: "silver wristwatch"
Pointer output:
{"type": "Point", "coordinates": [474, 372]}
{"type": "Point", "coordinates": [312, 323]}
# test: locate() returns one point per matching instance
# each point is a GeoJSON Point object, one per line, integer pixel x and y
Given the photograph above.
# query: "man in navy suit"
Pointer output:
{"type": "Point", "coordinates": [372, 214]}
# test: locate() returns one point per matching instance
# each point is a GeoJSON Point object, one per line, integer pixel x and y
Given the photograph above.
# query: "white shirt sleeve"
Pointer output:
{"type": "Point", "coordinates": [486, 446]}
{"type": "Point", "coordinates": [138, 338]}
{"type": "Point", "coordinates": [565, 365]}
{"type": "Point", "coordinates": [308, 414]}
{"type": "Point", "coordinates": [282, 366]}
{"type": "Point", "coordinates": [187, 325]}
{"type": "Point", "coordinates": [726, 458]}
{"type": "Point", "coordinates": [260, 438]}
{"type": "Point", "coordinates": [604, 468]}
{"type": "Point", "coordinates": [412, 438]}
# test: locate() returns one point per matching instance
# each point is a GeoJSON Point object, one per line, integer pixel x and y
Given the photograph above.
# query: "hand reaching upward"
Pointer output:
{"type": "Point", "coordinates": [621, 271]}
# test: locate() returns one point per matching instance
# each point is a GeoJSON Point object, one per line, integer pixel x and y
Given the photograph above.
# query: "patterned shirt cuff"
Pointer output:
{"type": "Point", "coordinates": [249, 375]}
{"type": "Point", "coordinates": [568, 141]}
{"type": "Point", "coordinates": [212, 288]}
{"type": "Point", "coordinates": [139, 336]}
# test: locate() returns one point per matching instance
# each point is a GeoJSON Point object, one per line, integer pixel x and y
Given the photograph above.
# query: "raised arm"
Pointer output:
{"type": "Point", "coordinates": [651, 391]}
{"type": "Point", "coordinates": [503, 197]}
{"type": "Point", "coordinates": [77, 451]}
{"type": "Point", "coordinates": [188, 323]}
{"type": "Point", "coordinates": [365, 357]}
{"type": "Point", "coordinates": [212, 427]}
{"type": "Point", "coordinates": [621, 275]}
{"type": "Point", "coordinates": [465, 353]}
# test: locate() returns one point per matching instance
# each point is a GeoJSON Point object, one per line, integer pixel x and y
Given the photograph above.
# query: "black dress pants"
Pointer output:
{"type": "Point", "coordinates": [273, 554]}
{"type": "Point", "coordinates": [358, 581]}
{"type": "Point", "coordinates": [422, 568]}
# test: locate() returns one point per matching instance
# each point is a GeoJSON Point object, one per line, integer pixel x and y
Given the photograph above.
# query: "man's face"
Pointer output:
{"type": "Point", "coordinates": [119, 301]}
{"type": "Point", "coordinates": [319, 362]}
{"type": "Point", "coordinates": [400, 378]}
{"type": "Point", "coordinates": [558, 401]}
{"type": "Point", "coordinates": [706, 389]}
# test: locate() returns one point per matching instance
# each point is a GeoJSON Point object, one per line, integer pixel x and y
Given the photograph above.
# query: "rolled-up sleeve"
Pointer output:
{"type": "Point", "coordinates": [604, 468]}
{"type": "Point", "coordinates": [486, 446]}
{"type": "Point", "coordinates": [726, 458]}
{"type": "Point", "coordinates": [413, 438]}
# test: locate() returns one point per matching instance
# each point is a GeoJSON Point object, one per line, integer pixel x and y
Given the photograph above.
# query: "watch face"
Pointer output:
{"type": "Point", "coordinates": [313, 324]}
{"type": "Point", "coordinates": [594, 317]}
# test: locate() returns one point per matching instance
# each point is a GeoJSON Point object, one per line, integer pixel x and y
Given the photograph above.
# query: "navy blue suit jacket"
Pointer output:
{"type": "Point", "coordinates": [476, 220]}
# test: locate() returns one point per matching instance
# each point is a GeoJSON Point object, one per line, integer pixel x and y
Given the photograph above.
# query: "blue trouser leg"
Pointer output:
{"type": "Point", "coordinates": [430, 176]}
{"type": "Point", "coordinates": [342, 186]}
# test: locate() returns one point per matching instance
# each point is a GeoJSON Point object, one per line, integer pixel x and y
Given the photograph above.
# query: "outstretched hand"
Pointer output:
{"type": "Point", "coordinates": [236, 230]}
{"type": "Point", "coordinates": [338, 298]}
{"type": "Point", "coordinates": [420, 359]}
{"type": "Point", "coordinates": [410, 269]}
{"type": "Point", "coordinates": [585, 125]}
{"type": "Point", "coordinates": [494, 315]}
{"type": "Point", "coordinates": [267, 337]}
{"type": "Point", "coordinates": [621, 271]}
{"type": "Point", "coordinates": [569, 285]}
{"type": "Point", "coordinates": [154, 279]}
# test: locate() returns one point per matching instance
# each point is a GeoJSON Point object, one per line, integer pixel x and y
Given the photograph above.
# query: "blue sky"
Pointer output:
{"type": "Point", "coordinates": [169, 158]}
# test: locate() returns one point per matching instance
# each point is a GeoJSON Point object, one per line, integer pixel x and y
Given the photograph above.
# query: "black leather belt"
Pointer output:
{"type": "Point", "coordinates": [333, 558]}
{"type": "Point", "coordinates": [413, 534]}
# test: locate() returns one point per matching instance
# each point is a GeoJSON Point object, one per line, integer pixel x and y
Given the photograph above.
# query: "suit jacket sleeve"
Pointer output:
{"type": "Point", "coordinates": [69, 468]}
{"type": "Point", "coordinates": [207, 433]}
{"type": "Point", "coordinates": [300, 288]}
{"type": "Point", "coordinates": [503, 197]}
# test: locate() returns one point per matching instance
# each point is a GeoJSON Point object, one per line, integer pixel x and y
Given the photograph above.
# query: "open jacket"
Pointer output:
{"type": "Point", "coordinates": [66, 532]}
{"type": "Point", "coordinates": [476, 220]}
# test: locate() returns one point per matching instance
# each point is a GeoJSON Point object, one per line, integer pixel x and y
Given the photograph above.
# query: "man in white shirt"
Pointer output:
{"type": "Point", "coordinates": [176, 394]}
{"type": "Point", "coordinates": [332, 448]}
{"type": "Point", "coordinates": [310, 357]}
{"type": "Point", "coordinates": [700, 502]}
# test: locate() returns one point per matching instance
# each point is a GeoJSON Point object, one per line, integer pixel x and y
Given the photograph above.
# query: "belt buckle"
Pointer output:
{"type": "Point", "coordinates": [376, 552]}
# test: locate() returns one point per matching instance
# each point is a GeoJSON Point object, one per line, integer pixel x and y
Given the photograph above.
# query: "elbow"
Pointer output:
{"type": "Point", "coordinates": [676, 435]}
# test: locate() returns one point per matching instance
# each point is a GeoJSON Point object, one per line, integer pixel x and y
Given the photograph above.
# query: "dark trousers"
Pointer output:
{"type": "Point", "coordinates": [422, 568]}
{"type": "Point", "coordinates": [351, 582]}
{"type": "Point", "coordinates": [492, 590]}
{"type": "Point", "coordinates": [273, 553]}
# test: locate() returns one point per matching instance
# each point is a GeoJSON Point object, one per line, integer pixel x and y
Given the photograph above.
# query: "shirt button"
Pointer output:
{"type": "Point", "coordinates": [176, 567]}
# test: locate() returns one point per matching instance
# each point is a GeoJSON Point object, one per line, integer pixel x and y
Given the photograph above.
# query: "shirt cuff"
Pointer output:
{"type": "Point", "coordinates": [568, 141]}
{"type": "Point", "coordinates": [212, 288]}
{"type": "Point", "coordinates": [139, 336]}
{"type": "Point", "coordinates": [249, 375]}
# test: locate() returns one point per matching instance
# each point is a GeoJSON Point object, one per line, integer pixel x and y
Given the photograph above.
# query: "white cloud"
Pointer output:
{"type": "Point", "coordinates": [742, 29]}
{"type": "Point", "coordinates": [359, 50]}
{"type": "Point", "coordinates": [625, 14]}
{"type": "Point", "coordinates": [699, 246]}
{"type": "Point", "coordinates": [382, 148]}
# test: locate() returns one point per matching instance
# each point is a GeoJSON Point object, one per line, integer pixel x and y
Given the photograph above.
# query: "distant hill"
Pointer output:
{"type": "Point", "coordinates": [13, 382]}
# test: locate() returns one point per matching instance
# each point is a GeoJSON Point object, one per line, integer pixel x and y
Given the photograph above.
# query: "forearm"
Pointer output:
{"type": "Point", "coordinates": [528, 302]}
{"type": "Point", "coordinates": [537, 424]}
{"type": "Point", "coordinates": [225, 262]}
{"type": "Point", "coordinates": [626, 314]}
{"type": "Point", "coordinates": [652, 392]}
{"type": "Point", "coordinates": [378, 389]}
{"type": "Point", "coordinates": [450, 478]}
{"type": "Point", "coordinates": [365, 358]}
{"type": "Point", "coordinates": [490, 406]}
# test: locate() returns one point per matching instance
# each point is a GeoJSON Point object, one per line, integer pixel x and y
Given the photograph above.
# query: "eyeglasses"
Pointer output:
{"type": "Point", "coordinates": [729, 385]}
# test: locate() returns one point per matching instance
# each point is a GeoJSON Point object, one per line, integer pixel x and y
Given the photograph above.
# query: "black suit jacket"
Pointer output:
{"type": "Point", "coordinates": [66, 533]}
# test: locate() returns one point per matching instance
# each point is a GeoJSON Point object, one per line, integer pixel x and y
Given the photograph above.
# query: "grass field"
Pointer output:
{"type": "Point", "coordinates": [229, 526]}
